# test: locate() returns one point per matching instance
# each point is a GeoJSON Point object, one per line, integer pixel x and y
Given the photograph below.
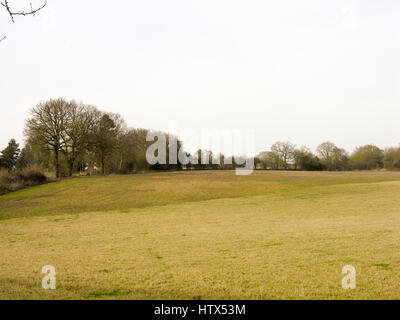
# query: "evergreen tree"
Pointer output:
{"type": "Point", "coordinates": [9, 155]}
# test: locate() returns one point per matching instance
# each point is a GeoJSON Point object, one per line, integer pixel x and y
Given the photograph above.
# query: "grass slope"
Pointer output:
{"type": "Point", "coordinates": [204, 235]}
{"type": "Point", "coordinates": [89, 194]}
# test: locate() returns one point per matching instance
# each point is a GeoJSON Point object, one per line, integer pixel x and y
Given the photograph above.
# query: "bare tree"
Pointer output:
{"type": "Point", "coordinates": [332, 157]}
{"type": "Point", "coordinates": [46, 127]}
{"type": "Point", "coordinates": [105, 137]}
{"type": "Point", "coordinates": [285, 150]}
{"type": "Point", "coordinates": [13, 13]}
{"type": "Point", "coordinates": [79, 123]}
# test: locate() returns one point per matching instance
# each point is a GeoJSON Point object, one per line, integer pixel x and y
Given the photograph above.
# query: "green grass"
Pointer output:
{"type": "Point", "coordinates": [204, 235]}
{"type": "Point", "coordinates": [123, 193]}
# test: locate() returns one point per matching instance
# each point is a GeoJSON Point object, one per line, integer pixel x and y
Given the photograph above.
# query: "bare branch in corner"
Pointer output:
{"type": "Point", "coordinates": [12, 13]}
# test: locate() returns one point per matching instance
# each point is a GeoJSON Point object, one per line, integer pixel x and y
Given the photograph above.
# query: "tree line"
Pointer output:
{"type": "Point", "coordinates": [285, 155]}
{"type": "Point", "coordinates": [66, 137]}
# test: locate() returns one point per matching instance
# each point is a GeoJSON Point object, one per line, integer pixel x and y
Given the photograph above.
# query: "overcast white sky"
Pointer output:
{"type": "Point", "coordinates": [304, 71]}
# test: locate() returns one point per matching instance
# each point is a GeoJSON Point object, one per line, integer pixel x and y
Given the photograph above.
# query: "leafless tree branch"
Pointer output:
{"type": "Point", "coordinates": [12, 13]}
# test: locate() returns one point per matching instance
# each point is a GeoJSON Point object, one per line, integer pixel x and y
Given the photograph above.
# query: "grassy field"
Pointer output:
{"type": "Point", "coordinates": [204, 235]}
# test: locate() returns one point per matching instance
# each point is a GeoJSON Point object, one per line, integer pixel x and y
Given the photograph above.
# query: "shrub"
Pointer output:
{"type": "Point", "coordinates": [30, 177]}
{"type": "Point", "coordinates": [5, 181]}
{"type": "Point", "coordinates": [12, 181]}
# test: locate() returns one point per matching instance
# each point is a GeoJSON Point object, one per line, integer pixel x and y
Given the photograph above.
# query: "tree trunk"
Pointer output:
{"type": "Point", "coordinates": [70, 167]}
{"type": "Point", "coordinates": [121, 162]}
{"type": "Point", "coordinates": [103, 169]}
{"type": "Point", "coordinates": [57, 162]}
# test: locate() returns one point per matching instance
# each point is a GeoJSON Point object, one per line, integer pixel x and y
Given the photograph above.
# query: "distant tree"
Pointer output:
{"type": "Point", "coordinates": [46, 127]}
{"type": "Point", "coordinates": [104, 138]}
{"type": "Point", "coordinates": [173, 147]}
{"type": "Point", "coordinates": [139, 147]}
{"type": "Point", "coordinates": [326, 152]}
{"type": "Point", "coordinates": [299, 156]}
{"type": "Point", "coordinates": [285, 151]}
{"type": "Point", "coordinates": [304, 159]}
{"type": "Point", "coordinates": [261, 161]}
{"type": "Point", "coordinates": [79, 123]}
{"type": "Point", "coordinates": [131, 150]}
{"type": "Point", "coordinates": [340, 159]}
{"type": "Point", "coordinates": [367, 157]}
{"type": "Point", "coordinates": [26, 158]}
{"type": "Point", "coordinates": [272, 160]}
{"type": "Point", "coordinates": [257, 163]}
{"type": "Point", "coordinates": [392, 158]}
{"type": "Point", "coordinates": [9, 155]}
{"type": "Point", "coordinates": [332, 157]}
{"type": "Point", "coordinates": [126, 152]}
{"type": "Point", "coordinates": [221, 164]}
{"type": "Point", "coordinates": [197, 159]}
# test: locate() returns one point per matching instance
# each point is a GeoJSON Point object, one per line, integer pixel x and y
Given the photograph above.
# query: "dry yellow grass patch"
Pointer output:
{"type": "Point", "coordinates": [289, 244]}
